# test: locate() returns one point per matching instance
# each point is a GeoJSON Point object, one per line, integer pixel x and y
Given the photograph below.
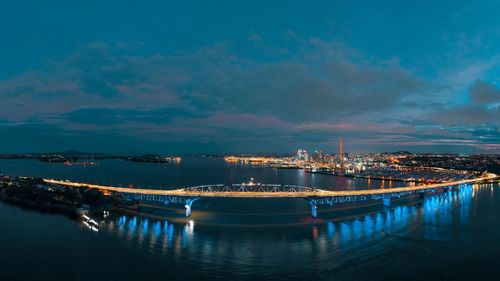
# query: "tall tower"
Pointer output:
{"type": "Point", "coordinates": [340, 148]}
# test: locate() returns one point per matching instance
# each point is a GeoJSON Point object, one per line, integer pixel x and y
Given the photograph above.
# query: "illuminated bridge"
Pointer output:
{"type": "Point", "coordinates": [314, 196]}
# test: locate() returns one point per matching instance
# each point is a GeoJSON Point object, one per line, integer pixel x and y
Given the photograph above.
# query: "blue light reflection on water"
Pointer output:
{"type": "Point", "coordinates": [433, 213]}
{"type": "Point", "coordinates": [331, 229]}
{"type": "Point", "coordinates": [135, 247]}
{"type": "Point", "coordinates": [157, 229]}
{"type": "Point", "coordinates": [310, 245]}
{"type": "Point", "coordinates": [132, 223]}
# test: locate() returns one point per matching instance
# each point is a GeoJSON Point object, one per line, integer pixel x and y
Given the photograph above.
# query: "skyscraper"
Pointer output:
{"type": "Point", "coordinates": [340, 148]}
{"type": "Point", "coordinates": [302, 155]}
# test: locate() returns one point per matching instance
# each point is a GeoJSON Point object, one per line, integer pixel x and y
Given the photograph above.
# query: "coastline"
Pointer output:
{"type": "Point", "coordinates": [61, 209]}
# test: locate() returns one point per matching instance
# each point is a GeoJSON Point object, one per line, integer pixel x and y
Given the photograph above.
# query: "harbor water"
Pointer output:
{"type": "Point", "coordinates": [449, 236]}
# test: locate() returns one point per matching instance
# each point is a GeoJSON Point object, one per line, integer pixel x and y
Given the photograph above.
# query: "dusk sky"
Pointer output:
{"type": "Point", "coordinates": [250, 76]}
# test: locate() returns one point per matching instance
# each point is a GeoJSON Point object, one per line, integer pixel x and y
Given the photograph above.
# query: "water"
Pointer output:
{"type": "Point", "coordinates": [191, 171]}
{"type": "Point", "coordinates": [447, 237]}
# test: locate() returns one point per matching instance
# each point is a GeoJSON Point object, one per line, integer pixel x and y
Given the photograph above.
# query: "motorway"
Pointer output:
{"type": "Point", "coordinates": [313, 193]}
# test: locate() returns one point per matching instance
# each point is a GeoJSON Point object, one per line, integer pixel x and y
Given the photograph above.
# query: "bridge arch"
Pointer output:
{"type": "Point", "coordinates": [258, 187]}
{"type": "Point", "coordinates": [315, 196]}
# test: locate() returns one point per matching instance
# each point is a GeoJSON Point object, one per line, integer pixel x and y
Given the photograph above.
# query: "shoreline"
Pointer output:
{"type": "Point", "coordinates": [67, 211]}
{"type": "Point", "coordinates": [370, 177]}
{"type": "Point", "coordinates": [357, 177]}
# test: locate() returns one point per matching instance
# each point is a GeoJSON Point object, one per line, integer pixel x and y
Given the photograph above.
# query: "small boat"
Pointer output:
{"type": "Point", "coordinates": [90, 223]}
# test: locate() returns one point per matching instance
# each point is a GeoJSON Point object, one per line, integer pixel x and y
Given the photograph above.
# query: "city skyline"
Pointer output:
{"type": "Point", "coordinates": [234, 78]}
{"type": "Point", "coordinates": [249, 140]}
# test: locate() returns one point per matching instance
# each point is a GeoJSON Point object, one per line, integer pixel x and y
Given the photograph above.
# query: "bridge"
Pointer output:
{"type": "Point", "coordinates": [314, 196]}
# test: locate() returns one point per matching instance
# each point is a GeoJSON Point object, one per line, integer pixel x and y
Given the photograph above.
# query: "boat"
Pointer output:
{"type": "Point", "coordinates": [90, 223]}
{"type": "Point", "coordinates": [321, 170]}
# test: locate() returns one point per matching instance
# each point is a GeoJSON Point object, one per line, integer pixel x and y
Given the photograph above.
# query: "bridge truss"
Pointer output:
{"type": "Point", "coordinates": [313, 195]}
{"type": "Point", "coordinates": [257, 187]}
{"type": "Point", "coordinates": [313, 201]}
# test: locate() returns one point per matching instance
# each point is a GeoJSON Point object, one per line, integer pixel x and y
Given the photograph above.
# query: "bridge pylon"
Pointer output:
{"type": "Point", "coordinates": [314, 208]}
{"type": "Point", "coordinates": [188, 205]}
{"type": "Point", "coordinates": [313, 195]}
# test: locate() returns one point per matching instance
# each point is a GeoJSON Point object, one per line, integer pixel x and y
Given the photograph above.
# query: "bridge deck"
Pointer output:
{"type": "Point", "coordinates": [259, 194]}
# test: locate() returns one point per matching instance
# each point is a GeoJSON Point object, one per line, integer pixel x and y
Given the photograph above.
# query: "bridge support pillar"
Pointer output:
{"type": "Point", "coordinates": [386, 201]}
{"type": "Point", "coordinates": [314, 208]}
{"type": "Point", "coordinates": [189, 203]}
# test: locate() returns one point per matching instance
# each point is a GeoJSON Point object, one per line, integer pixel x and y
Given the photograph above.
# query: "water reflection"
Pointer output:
{"type": "Point", "coordinates": [157, 235]}
{"type": "Point", "coordinates": [431, 219]}
{"type": "Point", "coordinates": [437, 233]}
{"type": "Point", "coordinates": [207, 171]}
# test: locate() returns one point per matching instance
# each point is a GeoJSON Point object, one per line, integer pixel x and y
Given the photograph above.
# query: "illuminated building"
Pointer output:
{"type": "Point", "coordinates": [302, 155]}
{"type": "Point", "coordinates": [340, 149]}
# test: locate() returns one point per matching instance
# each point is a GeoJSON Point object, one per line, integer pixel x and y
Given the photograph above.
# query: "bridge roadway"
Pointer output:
{"type": "Point", "coordinates": [315, 196]}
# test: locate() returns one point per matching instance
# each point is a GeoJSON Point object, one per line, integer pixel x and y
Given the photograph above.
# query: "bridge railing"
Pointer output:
{"type": "Point", "coordinates": [250, 188]}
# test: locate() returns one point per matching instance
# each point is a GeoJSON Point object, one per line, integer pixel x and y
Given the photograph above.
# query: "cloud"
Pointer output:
{"type": "Point", "coordinates": [212, 79]}
{"type": "Point", "coordinates": [476, 124]}
{"type": "Point", "coordinates": [219, 96]}
{"type": "Point", "coordinates": [254, 37]}
{"type": "Point", "coordinates": [483, 92]}
{"type": "Point", "coordinates": [484, 109]}
{"type": "Point", "coordinates": [299, 92]}
{"type": "Point", "coordinates": [111, 116]}
{"type": "Point", "coordinates": [114, 116]}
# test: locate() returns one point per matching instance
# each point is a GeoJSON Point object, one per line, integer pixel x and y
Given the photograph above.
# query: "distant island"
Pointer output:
{"type": "Point", "coordinates": [73, 156]}
{"type": "Point", "coordinates": [153, 158]}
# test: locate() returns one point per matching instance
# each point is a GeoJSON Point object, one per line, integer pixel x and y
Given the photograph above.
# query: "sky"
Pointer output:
{"type": "Point", "coordinates": [249, 76]}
